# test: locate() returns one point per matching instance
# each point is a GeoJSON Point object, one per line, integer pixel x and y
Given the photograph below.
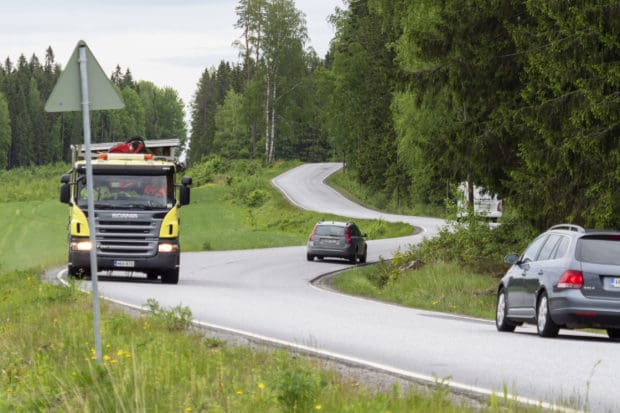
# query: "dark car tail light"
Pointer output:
{"type": "Point", "coordinates": [312, 234]}
{"type": "Point", "coordinates": [571, 279]}
{"type": "Point", "coordinates": [347, 235]}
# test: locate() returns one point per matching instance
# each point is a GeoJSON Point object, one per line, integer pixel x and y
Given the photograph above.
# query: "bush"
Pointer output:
{"type": "Point", "coordinates": [205, 171]}
{"type": "Point", "coordinates": [476, 245]}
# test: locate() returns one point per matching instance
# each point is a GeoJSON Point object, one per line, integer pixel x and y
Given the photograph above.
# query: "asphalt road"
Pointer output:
{"type": "Point", "coordinates": [268, 294]}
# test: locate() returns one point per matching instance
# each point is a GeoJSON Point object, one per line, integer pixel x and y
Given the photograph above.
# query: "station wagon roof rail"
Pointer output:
{"type": "Point", "coordinates": [568, 227]}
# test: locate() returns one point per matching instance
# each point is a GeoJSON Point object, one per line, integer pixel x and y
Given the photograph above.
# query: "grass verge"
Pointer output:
{"type": "Point", "coordinates": [443, 286]}
{"type": "Point", "coordinates": [156, 362]}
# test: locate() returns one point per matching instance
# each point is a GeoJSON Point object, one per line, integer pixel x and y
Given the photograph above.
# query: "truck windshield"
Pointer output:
{"type": "Point", "coordinates": [127, 191]}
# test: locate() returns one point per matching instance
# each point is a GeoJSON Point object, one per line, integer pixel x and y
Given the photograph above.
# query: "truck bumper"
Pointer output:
{"type": "Point", "coordinates": [159, 263]}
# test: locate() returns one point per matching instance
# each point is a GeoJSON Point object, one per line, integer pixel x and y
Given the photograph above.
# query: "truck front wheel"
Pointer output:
{"type": "Point", "coordinates": [76, 272]}
{"type": "Point", "coordinates": [170, 277]}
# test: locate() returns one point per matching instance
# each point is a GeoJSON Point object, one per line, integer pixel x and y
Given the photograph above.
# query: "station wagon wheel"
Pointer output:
{"type": "Point", "coordinates": [353, 258]}
{"type": "Point", "coordinates": [544, 324]}
{"type": "Point", "coordinates": [364, 255]}
{"type": "Point", "coordinates": [310, 257]}
{"type": "Point", "coordinates": [501, 321]}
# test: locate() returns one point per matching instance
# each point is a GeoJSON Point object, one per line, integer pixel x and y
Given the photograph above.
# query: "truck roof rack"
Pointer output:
{"type": "Point", "coordinates": [160, 148]}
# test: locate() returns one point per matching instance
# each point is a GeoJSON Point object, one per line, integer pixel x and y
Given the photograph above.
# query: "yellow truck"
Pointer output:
{"type": "Point", "coordinates": [136, 209]}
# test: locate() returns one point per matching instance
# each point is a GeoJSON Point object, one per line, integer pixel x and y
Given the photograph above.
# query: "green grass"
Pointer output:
{"type": "Point", "coordinates": [153, 362]}
{"type": "Point", "coordinates": [444, 287]}
{"type": "Point", "coordinates": [34, 233]}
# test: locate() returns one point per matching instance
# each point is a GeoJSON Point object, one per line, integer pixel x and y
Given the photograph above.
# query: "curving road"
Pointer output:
{"type": "Point", "coordinates": [268, 294]}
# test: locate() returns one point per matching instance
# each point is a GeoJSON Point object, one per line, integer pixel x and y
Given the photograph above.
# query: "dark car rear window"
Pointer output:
{"type": "Point", "coordinates": [601, 249]}
{"type": "Point", "coordinates": [330, 230]}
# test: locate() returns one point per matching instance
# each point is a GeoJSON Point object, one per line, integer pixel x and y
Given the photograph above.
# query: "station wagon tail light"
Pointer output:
{"type": "Point", "coordinates": [347, 235]}
{"type": "Point", "coordinates": [571, 279]}
{"type": "Point", "coordinates": [312, 234]}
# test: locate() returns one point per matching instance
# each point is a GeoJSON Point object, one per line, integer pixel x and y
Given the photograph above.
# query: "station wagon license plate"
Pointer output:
{"type": "Point", "coordinates": [614, 282]}
{"type": "Point", "coordinates": [124, 264]}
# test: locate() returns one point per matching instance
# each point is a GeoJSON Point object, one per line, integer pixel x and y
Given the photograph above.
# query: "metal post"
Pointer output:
{"type": "Point", "coordinates": [91, 203]}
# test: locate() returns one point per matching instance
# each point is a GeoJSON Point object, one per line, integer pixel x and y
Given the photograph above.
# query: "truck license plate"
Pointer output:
{"type": "Point", "coordinates": [125, 264]}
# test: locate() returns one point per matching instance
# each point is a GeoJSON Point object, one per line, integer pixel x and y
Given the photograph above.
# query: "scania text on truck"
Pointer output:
{"type": "Point", "coordinates": [136, 209]}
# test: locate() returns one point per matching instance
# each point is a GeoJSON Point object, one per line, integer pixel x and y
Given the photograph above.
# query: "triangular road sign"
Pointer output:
{"type": "Point", "coordinates": [66, 96]}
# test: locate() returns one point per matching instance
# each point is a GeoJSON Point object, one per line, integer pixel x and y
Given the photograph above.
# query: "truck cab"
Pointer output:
{"type": "Point", "coordinates": [136, 212]}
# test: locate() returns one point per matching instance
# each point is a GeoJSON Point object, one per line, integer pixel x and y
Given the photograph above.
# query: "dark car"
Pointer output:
{"type": "Point", "coordinates": [566, 278]}
{"type": "Point", "coordinates": [337, 239]}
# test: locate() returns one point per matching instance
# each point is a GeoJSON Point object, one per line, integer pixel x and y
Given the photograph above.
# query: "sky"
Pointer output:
{"type": "Point", "coordinates": [167, 42]}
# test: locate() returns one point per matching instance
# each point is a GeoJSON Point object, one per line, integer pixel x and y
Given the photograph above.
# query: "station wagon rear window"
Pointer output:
{"type": "Point", "coordinates": [330, 230]}
{"type": "Point", "coordinates": [599, 249]}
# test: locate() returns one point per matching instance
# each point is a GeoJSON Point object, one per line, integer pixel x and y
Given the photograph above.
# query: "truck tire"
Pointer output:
{"type": "Point", "coordinates": [170, 277]}
{"type": "Point", "coordinates": [76, 272]}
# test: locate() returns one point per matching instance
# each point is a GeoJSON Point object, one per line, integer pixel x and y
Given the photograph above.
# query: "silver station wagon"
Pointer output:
{"type": "Point", "coordinates": [336, 239]}
{"type": "Point", "coordinates": [568, 277]}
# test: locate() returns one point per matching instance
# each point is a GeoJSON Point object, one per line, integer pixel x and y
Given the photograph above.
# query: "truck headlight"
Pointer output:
{"type": "Point", "coordinates": [167, 247]}
{"type": "Point", "coordinates": [81, 246]}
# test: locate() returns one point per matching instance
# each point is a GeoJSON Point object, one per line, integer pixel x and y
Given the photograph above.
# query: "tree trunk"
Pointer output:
{"type": "Point", "coordinates": [272, 140]}
{"type": "Point", "coordinates": [267, 92]}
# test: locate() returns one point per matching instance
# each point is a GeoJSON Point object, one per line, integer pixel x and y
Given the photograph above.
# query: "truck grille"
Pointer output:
{"type": "Point", "coordinates": [134, 237]}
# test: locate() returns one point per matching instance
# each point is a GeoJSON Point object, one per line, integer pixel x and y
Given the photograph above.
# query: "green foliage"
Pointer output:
{"type": "Point", "coordinates": [31, 184]}
{"type": "Point", "coordinates": [175, 319]}
{"type": "Point", "coordinates": [206, 171]}
{"type": "Point", "coordinates": [571, 160]}
{"type": "Point", "coordinates": [476, 245]}
{"type": "Point", "coordinates": [231, 128]}
{"type": "Point", "coordinates": [5, 132]}
{"type": "Point", "coordinates": [38, 138]}
{"type": "Point", "coordinates": [297, 387]}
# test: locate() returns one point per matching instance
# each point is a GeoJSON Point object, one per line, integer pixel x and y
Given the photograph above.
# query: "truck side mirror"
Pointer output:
{"type": "Point", "coordinates": [184, 197]}
{"type": "Point", "coordinates": [65, 189]}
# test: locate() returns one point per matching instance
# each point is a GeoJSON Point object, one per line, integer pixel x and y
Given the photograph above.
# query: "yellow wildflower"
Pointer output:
{"type": "Point", "coordinates": [188, 409]}
{"type": "Point", "coordinates": [261, 386]}
{"type": "Point", "coordinates": [239, 392]}
{"type": "Point", "coordinates": [318, 407]}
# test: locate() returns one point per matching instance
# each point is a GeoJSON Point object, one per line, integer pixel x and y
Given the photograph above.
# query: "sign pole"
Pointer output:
{"type": "Point", "coordinates": [91, 203]}
{"type": "Point", "coordinates": [71, 94]}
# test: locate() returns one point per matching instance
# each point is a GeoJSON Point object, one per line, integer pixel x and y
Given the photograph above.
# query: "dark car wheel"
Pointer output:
{"type": "Point", "coordinates": [614, 333]}
{"type": "Point", "coordinates": [310, 257]}
{"type": "Point", "coordinates": [501, 321]}
{"type": "Point", "coordinates": [77, 272]}
{"type": "Point", "coordinates": [363, 257]}
{"type": "Point", "coordinates": [544, 324]}
{"type": "Point", "coordinates": [353, 258]}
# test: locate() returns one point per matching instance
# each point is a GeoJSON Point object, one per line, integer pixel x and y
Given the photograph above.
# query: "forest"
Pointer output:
{"type": "Point", "coordinates": [519, 96]}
